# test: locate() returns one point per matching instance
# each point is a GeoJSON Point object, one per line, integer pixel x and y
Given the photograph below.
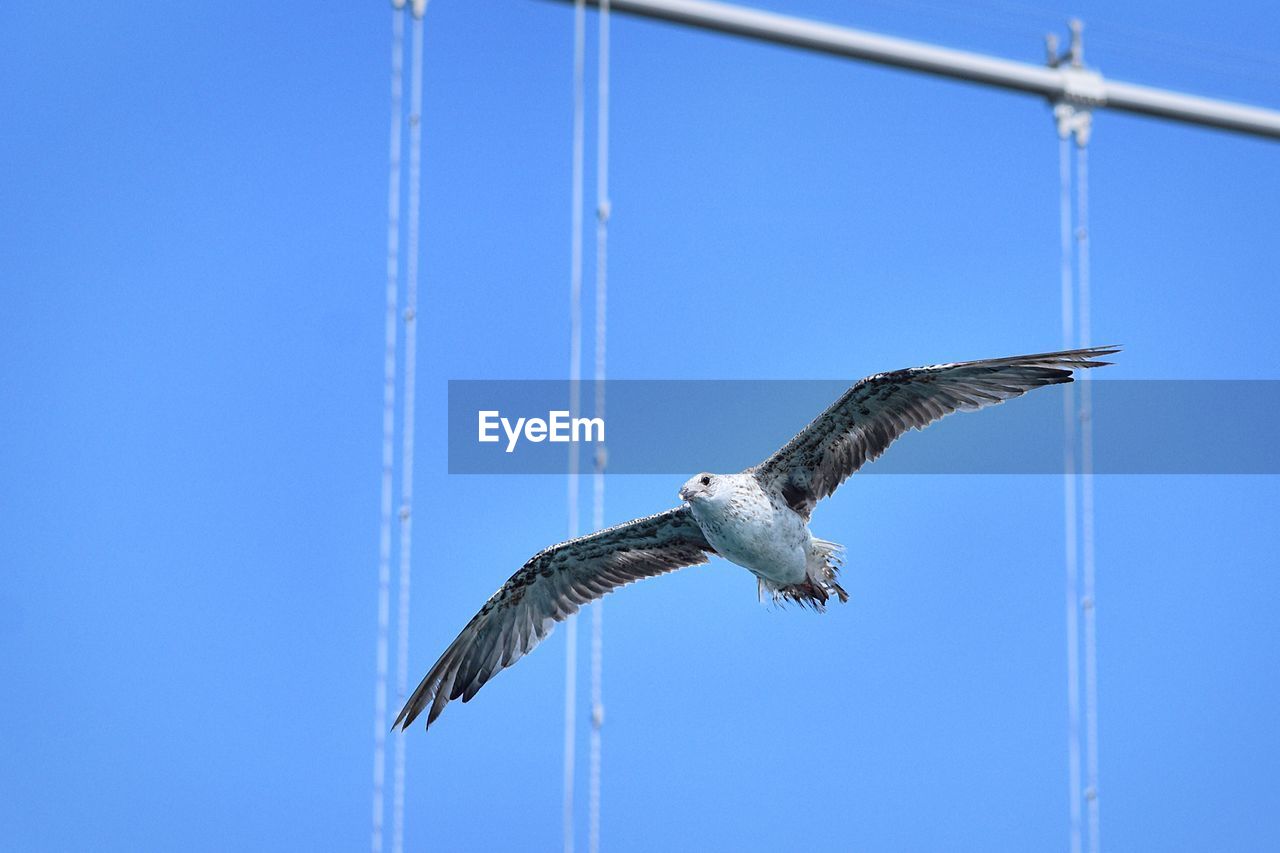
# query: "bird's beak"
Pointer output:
{"type": "Point", "coordinates": [685, 493]}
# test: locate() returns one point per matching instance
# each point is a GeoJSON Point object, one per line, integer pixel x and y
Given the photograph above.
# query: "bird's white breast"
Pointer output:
{"type": "Point", "coordinates": [748, 527]}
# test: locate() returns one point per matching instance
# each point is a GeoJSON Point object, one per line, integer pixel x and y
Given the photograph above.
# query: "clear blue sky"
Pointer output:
{"type": "Point", "coordinates": [192, 207]}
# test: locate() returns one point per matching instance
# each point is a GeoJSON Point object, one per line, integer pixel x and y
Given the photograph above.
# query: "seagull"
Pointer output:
{"type": "Point", "coordinates": [758, 518]}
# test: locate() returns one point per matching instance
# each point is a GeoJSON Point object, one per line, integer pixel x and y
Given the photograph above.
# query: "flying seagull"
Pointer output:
{"type": "Point", "coordinates": [758, 518]}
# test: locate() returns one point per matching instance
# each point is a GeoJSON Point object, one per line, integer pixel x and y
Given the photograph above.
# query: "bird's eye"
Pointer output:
{"type": "Point", "coordinates": [706, 481]}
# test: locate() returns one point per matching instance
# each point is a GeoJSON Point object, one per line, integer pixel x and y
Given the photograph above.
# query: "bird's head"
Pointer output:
{"type": "Point", "coordinates": [702, 487]}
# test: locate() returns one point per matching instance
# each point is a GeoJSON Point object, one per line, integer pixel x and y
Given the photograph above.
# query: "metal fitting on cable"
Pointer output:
{"type": "Point", "coordinates": [1074, 54]}
{"type": "Point", "coordinates": [1082, 87]}
{"type": "Point", "coordinates": [1074, 119]}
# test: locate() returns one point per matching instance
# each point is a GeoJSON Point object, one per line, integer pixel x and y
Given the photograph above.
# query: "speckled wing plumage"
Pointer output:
{"type": "Point", "coordinates": [873, 413]}
{"type": "Point", "coordinates": [547, 589]}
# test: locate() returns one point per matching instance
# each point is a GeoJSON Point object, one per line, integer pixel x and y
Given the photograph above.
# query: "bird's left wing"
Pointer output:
{"type": "Point", "coordinates": [869, 416]}
{"type": "Point", "coordinates": [547, 589]}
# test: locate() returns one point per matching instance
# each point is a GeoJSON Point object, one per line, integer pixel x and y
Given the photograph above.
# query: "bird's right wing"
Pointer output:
{"type": "Point", "coordinates": [548, 589]}
{"type": "Point", "coordinates": [873, 413]}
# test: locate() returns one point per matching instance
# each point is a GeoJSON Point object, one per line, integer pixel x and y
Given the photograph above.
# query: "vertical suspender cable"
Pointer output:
{"type": "Point", "coordinates": [1069, 496]}
{"type": "Point", "coordinates": [388, 429]}
{"type": "Point", "coordinates": [407, 426]}
{"type": "Point", "coordinates": [1087, 602]}
{"type": "Point", "coordinates": [597, 517]}
{"type": "Point", "coordinates": [575, 403]}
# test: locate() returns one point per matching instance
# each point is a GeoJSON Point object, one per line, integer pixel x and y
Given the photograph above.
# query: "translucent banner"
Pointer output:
{"type": "Point", "coordinates": [681, 427]}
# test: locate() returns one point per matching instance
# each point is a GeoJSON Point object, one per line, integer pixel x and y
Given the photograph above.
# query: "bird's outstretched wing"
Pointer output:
{"type": "Point", "coordinates": [869, 416]}
{"type": "Point", "coordinates": [547, 589]}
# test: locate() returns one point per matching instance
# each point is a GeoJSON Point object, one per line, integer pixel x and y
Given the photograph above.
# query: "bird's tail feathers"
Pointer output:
{"type": "Point", "coordinates": [825, 560]}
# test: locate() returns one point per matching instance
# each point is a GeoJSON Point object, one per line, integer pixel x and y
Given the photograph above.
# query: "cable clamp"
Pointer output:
{"type": "Point", "coordinates": [1082, 87]}
{"type": "Point", "coordinates": [1073, 119]}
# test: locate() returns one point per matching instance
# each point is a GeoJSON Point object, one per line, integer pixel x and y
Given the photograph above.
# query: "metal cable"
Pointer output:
{"type": "Point", "coordinates": [1087, 602]}
{"type": "Point", "coordinates": [407, 428]}
{"type": "Point", "coordinates": [1069, 495]}
{"type": "Point", "coordinates": [575, 403]}
{"type": "Point", "coordinates": [597, 518]}
{"type": "Point", "coordinates": [388, 430]}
